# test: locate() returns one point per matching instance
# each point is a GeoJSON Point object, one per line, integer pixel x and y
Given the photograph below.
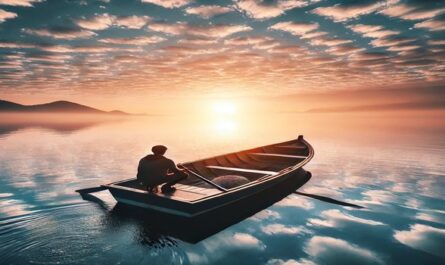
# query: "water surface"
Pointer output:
{"type": "Point", "coordinates": [392, 164]}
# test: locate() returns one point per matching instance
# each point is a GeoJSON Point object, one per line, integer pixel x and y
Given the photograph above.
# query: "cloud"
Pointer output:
{"type": "Point", "coordinates": [436, 42]}
{"type": "Point", "coordinates": [323, 41]}
{"type": "Point", "coordinates": [260, 42]}
{"type": "Point", "coordinates": [268, 9]}
{"type": "Point", "coordinates": [391, 41]}
{"type": "Point", "coordinates": [143, 40]}
{"type": "Point", "coordinates": [16, 45]}
{"type": "Point", "coordinates": [78, 49]}
{"type": "Point", "coordinates": [344, 50]}
{"type": "Point", "coordinates": [328, 250]}
{"type": "Point", "coordinates": [104, 21]}
{"type": "Point", "coordinates": [402, 48]}
{"type": "Point", "coordinates": [61, 33]}
{"type": "Point", "coordinates": [431, 25]}
{"type": "Point", "coordinates": [4, 15]}
{"type": "Point", "coordinates": [132, 22]}
{"type": "Point", "coordinates": [196, 40]}
{"type": "Point", "coordinates": [214, 31]}
{"type": "Point", "coordinates": [27, 3]}
{"type": "Point", "coordinates": [336, 218]}
{"type": "Point", "coordinates": [340, 13]}
{"type": "Point", "coordinates": [275, 229]}
{"type": "Point", "coordinates": [169, 3]}
{"type": "Point", "coordinates": [208, 11]}
{"type": "Point", "coordinates": [423, 237]}
{"type": "Point", "coordinates": [412, 12]}
{"type": "Point", "coordinates": [295, 28]}
{"type": "Point", "coordinates": [98, 22]}
{"type": "Point", "coordinates": [373, 31]}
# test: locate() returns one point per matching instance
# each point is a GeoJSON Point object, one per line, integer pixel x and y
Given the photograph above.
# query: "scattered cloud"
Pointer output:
{"type": "Point", "coordinates": [259, 42]}
{"type": "Point", "coordinates": [98, 22]}
{"type": "Point", "coordinates": [132, 22]}
{"type": "Point", "coordinates": [258, 9]}
{"type": "Point", "coordinates": [423, 237]}
{"type": "Point", "coordinates": [431, 25]}
{"type": "Point", "coordinates": [61, 33]}
{"type": "Point", "coordinates": [412, 12]}
{"type": "Point", "coordinates": [27, 3]}
{"type": "Point", "coordinates": [300, 29]}
{"type": "Point", "coordinates": [214, 31]}
{"type": "Point", "coordinates": [208, 11]}
{"type": "Point", "coordinates": [169, 3]}
{"type": "Point", "coordinates": [340, 13]}
{"type": "Point", "coordinates": [4, 15]}
{"type": "Point", "coordinates": [143, 40]}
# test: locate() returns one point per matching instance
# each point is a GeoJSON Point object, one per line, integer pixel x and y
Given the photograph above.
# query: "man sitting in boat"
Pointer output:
{"type": "Point", "coordinates": [155, 169]}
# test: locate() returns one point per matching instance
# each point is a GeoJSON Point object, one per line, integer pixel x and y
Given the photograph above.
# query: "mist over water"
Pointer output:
{"type": "Point", "coordinates": [390, 163]}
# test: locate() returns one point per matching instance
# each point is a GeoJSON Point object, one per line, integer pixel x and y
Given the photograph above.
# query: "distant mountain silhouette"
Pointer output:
{"type": "Point", "coordinates": [54, 107]}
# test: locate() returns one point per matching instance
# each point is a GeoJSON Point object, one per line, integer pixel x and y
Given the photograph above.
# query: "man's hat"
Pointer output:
{"type": "Point", "coordinates": [159, 149]}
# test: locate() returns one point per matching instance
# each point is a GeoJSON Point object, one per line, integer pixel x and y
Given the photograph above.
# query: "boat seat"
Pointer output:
{"type": "Point", "coordinates": [247, 170]}
{"type": "Point", "coordinates": [278, 155]}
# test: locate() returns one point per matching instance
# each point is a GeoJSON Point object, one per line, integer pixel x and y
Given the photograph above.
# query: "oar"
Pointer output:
{"type": "Point", "coordinates": [330, 200]}
{"type": "Point", "coordinates": [92, 189]}
{"type": "Point", "coordinates": [202, 178]}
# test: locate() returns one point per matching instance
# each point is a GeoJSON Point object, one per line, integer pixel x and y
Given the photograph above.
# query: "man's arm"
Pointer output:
{"type": "Point", "coordinates": [173, 168]}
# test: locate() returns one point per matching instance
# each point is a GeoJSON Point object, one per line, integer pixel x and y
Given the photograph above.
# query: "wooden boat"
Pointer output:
{"type": "Point", "coordinates": [267, 168]}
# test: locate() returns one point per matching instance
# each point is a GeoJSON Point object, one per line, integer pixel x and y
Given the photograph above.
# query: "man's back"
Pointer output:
{"type": "Point", "coordinates": [152, 169]}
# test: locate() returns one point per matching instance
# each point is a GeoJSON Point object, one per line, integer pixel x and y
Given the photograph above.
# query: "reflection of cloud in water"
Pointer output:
{"type": "Point", "coordinates": [328, 250]}
{"type": "Point", "coordinates": [296, 201]}
{"type": "Point", "coordinates": [323, 191]}
{"type": "Point", "coordinates": [379, 197]}
{"type": "Point", "coordinates": [348, 181]}
{"type": "Point", "coordinates": [13, 207]}
{"type": "Point", "coordinates": [276, 229]}
{"type": "Point", "coordinates": [423, 237]}
{"type": "Point", "coordinates": [221, 245]}
{"type": "Point", "coordinates": [427, 217]}
{"type": "Point", "coordinates": [265, 215]}
{"type": "Point", "coordinates": [336, 218]}
{"type": "Point", "coordinates": [289, 262]}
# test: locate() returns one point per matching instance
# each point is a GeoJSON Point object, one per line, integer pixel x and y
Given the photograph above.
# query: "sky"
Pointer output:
{"type": "Point", "coordinates": [134, 54]}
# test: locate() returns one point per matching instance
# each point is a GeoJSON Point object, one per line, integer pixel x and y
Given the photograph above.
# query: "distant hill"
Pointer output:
{"type": "Point", "coordinates": [55, 107]}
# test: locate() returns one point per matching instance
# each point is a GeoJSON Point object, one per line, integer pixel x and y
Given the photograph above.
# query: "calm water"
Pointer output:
{"type": "Point", "coordinates": [393, 165]}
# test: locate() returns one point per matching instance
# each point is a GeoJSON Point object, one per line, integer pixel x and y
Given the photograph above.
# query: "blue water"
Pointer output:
{"type": "Point", "coordinates": [393, 166]}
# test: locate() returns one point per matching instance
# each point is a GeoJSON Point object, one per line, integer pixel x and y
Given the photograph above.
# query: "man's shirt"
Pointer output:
{"type": "Point", "coordinates": [153, 169]}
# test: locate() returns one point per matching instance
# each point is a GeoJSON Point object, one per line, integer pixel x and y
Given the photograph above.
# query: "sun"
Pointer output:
{"type": "Point", "coordinates": [224, 108]}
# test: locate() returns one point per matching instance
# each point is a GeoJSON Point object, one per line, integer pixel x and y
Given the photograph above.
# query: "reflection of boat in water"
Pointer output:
{"type": "Point", "coordinates": [272, 171]}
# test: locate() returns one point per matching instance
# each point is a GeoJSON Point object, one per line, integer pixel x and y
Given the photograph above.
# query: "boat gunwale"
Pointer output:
{"type": "Point", "coordinates": [265, 178]}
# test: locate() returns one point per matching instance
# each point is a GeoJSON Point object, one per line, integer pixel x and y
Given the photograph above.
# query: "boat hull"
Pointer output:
{"type": "Point", "coordinates": [292, 179]}
{"type": "Point", "coordinates": [199, 226]}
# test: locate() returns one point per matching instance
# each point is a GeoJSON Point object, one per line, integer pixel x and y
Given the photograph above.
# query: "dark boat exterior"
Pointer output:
{"type": "Point", "coordinates": [269, 169]}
